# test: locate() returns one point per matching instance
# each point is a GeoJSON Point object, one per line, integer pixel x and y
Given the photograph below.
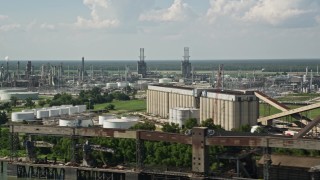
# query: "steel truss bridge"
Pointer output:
{"type": "Point", "coordinates": [199, 139]}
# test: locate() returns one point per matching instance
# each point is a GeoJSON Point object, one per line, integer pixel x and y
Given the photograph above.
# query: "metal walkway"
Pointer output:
{"type": "Point", "coordinates": [279, 106]}
{"type": "Point", "coordinates": [289, 112]}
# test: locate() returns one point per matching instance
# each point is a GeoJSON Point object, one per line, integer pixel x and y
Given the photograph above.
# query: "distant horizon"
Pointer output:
{"type": "Point", "coordinates": [117, 29]}
{"type": "Point", "coordinates": [253, 59]}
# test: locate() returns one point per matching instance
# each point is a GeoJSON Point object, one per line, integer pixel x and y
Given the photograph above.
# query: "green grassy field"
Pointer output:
{"type": "Point", "coordinates": [124, 106]}
{"type": "Point", "coordinates": [298, 97]}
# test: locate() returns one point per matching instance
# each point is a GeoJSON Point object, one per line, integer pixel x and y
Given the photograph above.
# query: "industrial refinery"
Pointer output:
{"type": "Point", "coordinates": [230, 100]}
{"type": "Point", "coordinates": [160, 90]}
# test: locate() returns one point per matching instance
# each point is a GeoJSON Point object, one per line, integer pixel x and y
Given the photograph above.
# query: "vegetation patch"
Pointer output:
{"type": "Point", "coordinates": [124, 106]}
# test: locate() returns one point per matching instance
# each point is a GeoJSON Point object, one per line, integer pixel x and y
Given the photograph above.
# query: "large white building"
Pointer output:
{"type": "Point", "coordinates": [227, 108]}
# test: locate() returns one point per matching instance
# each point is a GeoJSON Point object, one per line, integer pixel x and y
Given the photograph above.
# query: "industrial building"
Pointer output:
{"type": "Point", "coordinates": [227, 108]}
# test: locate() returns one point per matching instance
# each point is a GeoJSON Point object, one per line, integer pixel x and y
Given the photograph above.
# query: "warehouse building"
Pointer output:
{"type": "Point", "coordinates": [227, 108]}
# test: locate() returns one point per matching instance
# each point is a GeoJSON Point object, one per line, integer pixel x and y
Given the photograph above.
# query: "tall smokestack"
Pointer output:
{"type": "Point", "coordinates": [186, 54]}
{"type": "Point", "coordinates": [185, 64]}
{"type": "Point", "coordinates": [7, 68]}
{"type": "Point", "coordinates": [82, 69]}
{"type": "Point", "coordinates": [142, 54]}
{"type": "Point", "coordinates": [18, 70]}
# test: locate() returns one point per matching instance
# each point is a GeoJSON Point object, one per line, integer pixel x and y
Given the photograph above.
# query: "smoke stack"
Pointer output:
{"type": "Point", "coordinates": [7, 68]}
{"type": "Point", "coordinates": [18, 70]}
{"type": "Point", "coordinates": [82, 69]}
{"type": "Point", "coordinates": [142, 57]}
{"type": "Point", "coordinates": [186, 54]}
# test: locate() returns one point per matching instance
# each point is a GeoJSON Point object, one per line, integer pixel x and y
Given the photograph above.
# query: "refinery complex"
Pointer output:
{"type": "Point", "coordinates": [227, 100]}
{"type": "Point", "coordinates": [160, 90]}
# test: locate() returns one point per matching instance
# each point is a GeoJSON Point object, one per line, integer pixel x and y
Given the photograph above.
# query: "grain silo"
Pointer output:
{"type": "Point", "coordinates": [227, 108]}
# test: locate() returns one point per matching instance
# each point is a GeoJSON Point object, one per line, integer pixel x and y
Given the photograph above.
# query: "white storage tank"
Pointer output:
{"type": "Point", "coordinates": [27, 110]}
{"type": "Point", "coordinates": [195, 113]}
{"type": "Point", "coordinates": [179, 115]}
{"type": "Point", "coordinates": [69, 105]}
{"type": "Point", "coordinates": [54, 112]}
{"type": "Point", "coordinates": [165, 80]}
{"type": "Point", "coordinates": [82, 108]}
{"type": "Point", "coordinates": [78, 122]}
{"type": "Point", "coordinates": [123, 123]}
{"type": "Point", "coordinates": [142, 84]}
{"type": "Point", "coordinates": [35, 111]}
{"type": "Point", "coordinates": [122, 84]}
{"type": "Point", "coordinates": [64, 111]}
{"type": "Point", "coordinates": [118, 124]}
{"type": "Point", "coordinates": [182, 115]}
{"type": "Point", "coordinates": [73, 110]}
{"type": "Point", "coordinates": [21, 116]}
{"type": "Point", "coordinates": [173, 115]}
{"type": "Point", "coordinates": [112, 85]}
{"type": "Point", "coordinates": [42, 113]}
{"type": "Point", "coordinates": [105, 117]}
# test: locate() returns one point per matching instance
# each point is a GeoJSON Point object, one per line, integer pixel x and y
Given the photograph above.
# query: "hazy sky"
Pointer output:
{"type": "Point", "coordinates": [116, 29]}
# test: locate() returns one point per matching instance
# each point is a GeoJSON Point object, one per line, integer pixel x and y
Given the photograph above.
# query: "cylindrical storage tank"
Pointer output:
{"type": "Point", "coordinates": [84, 123]}
{"type": "Point", "coordinates": [35, 111]}
{"type": "Point", "coordinates": [142, 84]}
{"type": "Point", "coordinates": [174, 115]}
{"type": "Point", "coordinates": [75, 122]}
{"type": "Point", "coordinates": [165, 80]}
{"type": "Point", "coordinates": [64, 111]}
{"type": "Point", "coordinates": [22, 116]}
{"type": "Point", "coordinates": [194, 113]}
{"type": "Point", "coordinates": [82, 108]}
{"type": "Point", "coordinates": [131, 118]}
{"type": "Point", "coordinates": [182, 115]}
{"type": "Point", "coordinates": [119, 123]}
{"type": "Point", "coordinates": [133, 85]}
{"type": "Point", "coordinates": [112, 85]}
{"type": "Point", "coordinates": [67, 122]}
{"type": "Point", "coordinates": [54, 112]}
{"type": "Point", "coordinates": [42, 113]}
{"type": "Point", "coordinates": [73, 110]}
{"type": "Point", "coordinates": [69, 105]}
{"type": "Point", "coordinates": [122, 84]}
{"type": "Point", "coordinates": [27, 110]}
{"type": "Point", "coordinates": [105, 118]}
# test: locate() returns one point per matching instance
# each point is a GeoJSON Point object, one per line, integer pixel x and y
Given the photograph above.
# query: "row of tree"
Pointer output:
{"type": "Point", "coordinates": [155, 153]}
{"type": "Point", "coordinates": [88, 97]}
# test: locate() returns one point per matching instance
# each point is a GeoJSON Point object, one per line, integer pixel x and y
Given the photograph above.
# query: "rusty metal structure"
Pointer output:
{"type": "Point", "coordinates": [199, 138]}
